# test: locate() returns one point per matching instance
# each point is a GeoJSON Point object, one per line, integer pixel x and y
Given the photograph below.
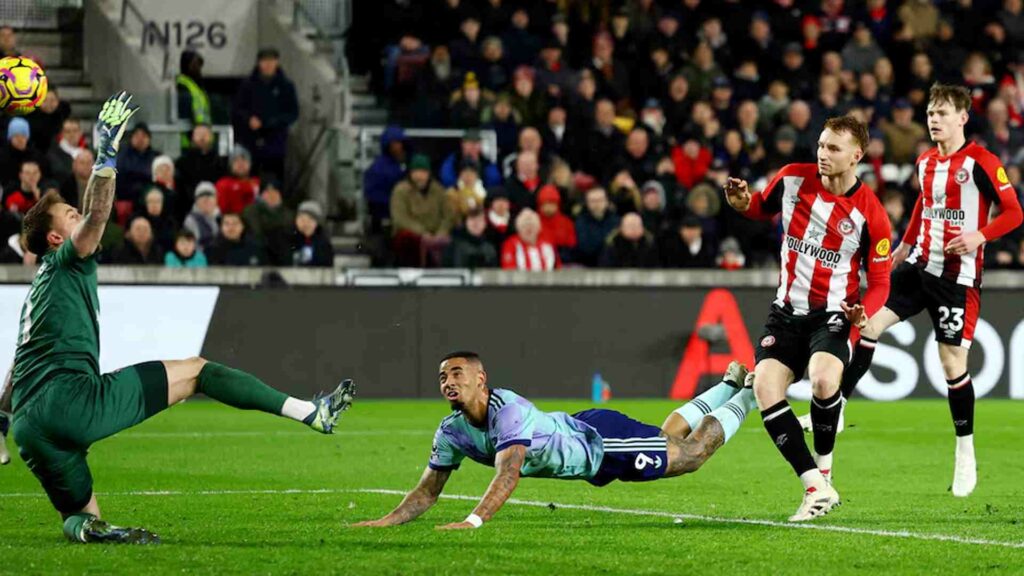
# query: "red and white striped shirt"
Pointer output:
{"type": "Point", "coordinates": [957, 193]}
{"type": "Point", "coordinates": [827, 240]}
{"type": "Point", "coordinates": [518, 255]}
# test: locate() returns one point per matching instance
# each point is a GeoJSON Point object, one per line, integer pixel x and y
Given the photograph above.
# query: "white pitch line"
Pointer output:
{"type": "Point", "coordinates": [585, 507]}
{"type": "Point", "coordinates": [249, 433]}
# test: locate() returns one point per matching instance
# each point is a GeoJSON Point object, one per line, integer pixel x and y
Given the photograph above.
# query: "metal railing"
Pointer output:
{"type": "Point", "coordinates": [369, 141]}
{"type": "Point", "coordinates": [147, 34]}
{"type": "Point", "coordinates": [34, 13]}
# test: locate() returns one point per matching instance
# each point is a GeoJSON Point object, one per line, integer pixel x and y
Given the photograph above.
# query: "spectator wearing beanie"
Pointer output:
{"type": "Point", "coordinates": [421, 215]}
{"type": "Point", "coordinates": [555, 226]}
{"type": "Point", "coordinates": [270, 223]}
{"type": "Point", "coordinates": [16, 151]}
{"type": "Point", "coordinates": [238, 189]}
{"type": "Point", "coordinates": [384, 174]}
{"type": "Point", "coordinates": [310, 244]}
{"type": "Point", "coordinates": [265, 107]}
{"type": "Point", "coordinates": [528, 249]}
{"type": "Point", "coordinates": [202, 221]}
{"type": "Point", "coordinates": [470, 149]}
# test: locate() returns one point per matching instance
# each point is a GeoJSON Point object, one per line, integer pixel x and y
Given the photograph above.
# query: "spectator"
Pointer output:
{"type": "Point", "coordinates": [467, 110]}
{"type": "Point", "coordinates": [8, 42]}
{"type": "Point", "coordinates": [465, 49]}
{"type": "Point", "coordinates": [47, 121]}
{"type": "Point", "coordinates": [527, 249]}
{"type": "Point", "coordinates": [17, 151]}
{"type": "Point", "coordinates": [185, 253]}
{"type": "Point", "coordinates": [499, 218]}
{"type": "Point", "coordinates": [28, 192]}
{"type": "Point", "coordinates": [691, 162]}
{"type": "Point", "coordinates": [799, 119]}
{"type": "Point", "coordinates": [135, 167]}
{"type": "Point", "coordinates": [154, 208]}
{"type": "Point", "coordinates": [264, 108]}
{"type": "Point", "coordinates": [605, 142]}
{"type": "Point", "coordinates": [1000, 138]}
{"type": "Point", "coordinates": [679, 106]}
{"type": "Point", "coordinates": [163, 178]}
{"type": "Point", "coordinates": [555, 226]}
{"type": "Point", "coordinates": [795, 72]}
{"type": "Point", "coordinates": [384, 174]}
{"type": "Point", "coordinates": [687, 247]}
{"type": "Point", "coordinates": [239, 188]}
{"type": "Point", "coordinates": [421, 215]}
{"type": "Point", "coordinates": [202, 221]}
{"type": "Point", "coordinates": [630, 246]}
{"type": "Point", "coordinates": [199, 162]}
{"type": "Point", "coordinates": [470, 247]}
{"type": "Point", "coordinates": [593, 226]}
{"type": "Point", "coordinates": [522, 187]}
{"type": "Point", "coordinates": [730, 256]}
{"type": "Point", "coordinates": [310, 244]}
{"type": "Point", "coordinates": [502, 118]}
{"type": "Point", "coordinates": [772, 106]}
{"type": "Point", "coordinates": [652, 207]}
{"type": "Point", "coordinates": [429, 106]}
{"type": "Point", "coordinates": [529, 140]}
{"type": "Point", "coordinates": [610, 71]}
{"type": "Point", "coordinates": [193, 103]}
{"type": "Point", "coordinates": [704, 203]}
{"type": "Point", "coordinates": [70, 144]}
{"type": "Point", "coordinates": [269, 222]}
{"type": "Point", "coordinates": [902, 134]}
{"type": "Point", "coordinates": [81, 170]}
{"type": "Point", "coordinates": [625, 193]}
{"type": "Point", "coordinates": [639, 161]}
{"type": "Point", "coordinates": [528, 102]}
{"type": "Point", "coordinates": [861, 52]}
{"type": "Point", "coordinates": [556, 136]}
{"type": "Point", "coordinates": [471, 148]}
{"type": "Point", "coordinates": [553, 77]}
{"type": "Point", "coordinates": [140, 247]}
{"type": "Point", "coordinates": [583, 103]}
{"type": "Point", "coordinates": [702, 70]}
{"type": "Point", "coordinates": [469, 192]}
{"type": "Point", "coordinates": [494, 70]}
{"type": "Point", "coordinates": [921, 17]}
{"type": "Point", "coordinates": [232, 247]}
{"type": "Point", "coordinates": [783, 150]}
{"type": "Point", "coordinates": [521, 45]}
{"type": "Point", "coordinates": [892, 201]}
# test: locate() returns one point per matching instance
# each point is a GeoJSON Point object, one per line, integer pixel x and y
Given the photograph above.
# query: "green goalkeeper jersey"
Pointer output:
{"type": "Point", "coordinates": [59, 327]}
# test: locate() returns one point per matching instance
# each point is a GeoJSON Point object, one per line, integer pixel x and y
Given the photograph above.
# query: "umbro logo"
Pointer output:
{"type": "Point", "coordinates": [781, 440]}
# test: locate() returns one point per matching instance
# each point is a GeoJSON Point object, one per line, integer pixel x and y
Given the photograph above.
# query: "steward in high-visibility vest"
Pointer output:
{"type": "Point", "coordinates": [193, 103]}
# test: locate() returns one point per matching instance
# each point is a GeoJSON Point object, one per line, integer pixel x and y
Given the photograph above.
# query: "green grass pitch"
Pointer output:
{"type": "Point", "coordinates": [240, 492]}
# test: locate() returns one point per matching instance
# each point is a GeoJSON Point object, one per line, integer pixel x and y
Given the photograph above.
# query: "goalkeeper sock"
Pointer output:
{"type": "Point", "coordinates": [73, 526]}
{"type": "Point", "coordinates": [731, 414]}
{"type": "Point", "coordinates": [243, 390]}
{"type": "Point", "coordinates": [695, 410]}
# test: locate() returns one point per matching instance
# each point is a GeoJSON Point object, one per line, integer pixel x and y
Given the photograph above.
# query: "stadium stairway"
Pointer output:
{"type": "Point", "coordinates": [58, 46]}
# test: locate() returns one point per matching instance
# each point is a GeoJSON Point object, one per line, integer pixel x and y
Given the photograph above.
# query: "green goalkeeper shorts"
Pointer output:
{"type": "Point", "coordinates": [73, 410]}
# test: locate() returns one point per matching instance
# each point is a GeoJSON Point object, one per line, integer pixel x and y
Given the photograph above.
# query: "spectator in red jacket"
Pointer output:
{"type": "Point", "coordinates": [692, 162]}
{"type": "Point", "coordinates": [555, 226]}
{"type": "Point", "coordinates": [238, 189]}
{"type": "Point", "coordinates": [28, 192]}
{"type": "Point", "coordinates": [528, 250]}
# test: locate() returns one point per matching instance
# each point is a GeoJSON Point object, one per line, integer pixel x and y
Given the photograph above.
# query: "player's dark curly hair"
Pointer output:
{"type": "Point", "coordinates": [958, 96]}
{"type": "Point", "coordinates": [851, 126]}
{"type": "Point", "coordinates": [37, 224]}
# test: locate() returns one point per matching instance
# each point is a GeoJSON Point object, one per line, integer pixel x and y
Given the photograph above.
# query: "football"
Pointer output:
{"type": "Point", "coordinates": [22, 85]}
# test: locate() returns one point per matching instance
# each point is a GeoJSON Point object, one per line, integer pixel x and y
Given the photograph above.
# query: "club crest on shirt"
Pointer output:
{"type": "Point", "coordinates": [846, 227]}
{"type": "Point", "coordinates": [962, 175]}
{"type": "Point", "coordinates": [767, 341]}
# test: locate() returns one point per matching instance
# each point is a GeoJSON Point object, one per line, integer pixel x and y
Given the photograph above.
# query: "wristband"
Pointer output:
{"type": "Point", "coordinates": [474, 520]}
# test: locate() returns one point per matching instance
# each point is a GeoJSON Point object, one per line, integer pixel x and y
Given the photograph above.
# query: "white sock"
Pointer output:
{"type": "Point", "coordinates": [297, 409]}
{"type": "Point", "coordinates": [965, 445]}
{"type": "Point", "coordinates": [812, 479]}
{"type": "Point", "coordinates": [824, 461]}
{"type": "Point", "coordinates": [731, 414]}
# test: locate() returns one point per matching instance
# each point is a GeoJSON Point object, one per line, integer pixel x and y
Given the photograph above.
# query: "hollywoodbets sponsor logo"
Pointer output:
{"type": "Point", "coordinates": [828, 258]}
{"type": "Point", "coordinates": [954, 216]}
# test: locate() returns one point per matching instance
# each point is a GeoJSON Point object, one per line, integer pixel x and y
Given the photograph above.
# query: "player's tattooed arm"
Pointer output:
{"type": "Point", "coordinates": [507, 465]}
{"type": "Point", "coordinates": [416, 502]}
{"type": "Point", "coordinates": [97, 204]}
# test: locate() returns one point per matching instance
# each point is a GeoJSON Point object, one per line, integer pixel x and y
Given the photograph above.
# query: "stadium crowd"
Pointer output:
{"type": "Point", "coordinates": [617, 122]}
{"type": "Point", "coordinates": [195, 210]}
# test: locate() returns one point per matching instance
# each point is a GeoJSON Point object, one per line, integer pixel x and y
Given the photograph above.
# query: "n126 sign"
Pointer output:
{"type": "Point", "coordinates": [190, 34]}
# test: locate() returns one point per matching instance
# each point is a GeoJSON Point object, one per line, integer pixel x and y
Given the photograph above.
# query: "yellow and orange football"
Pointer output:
{"type": "Point", "coordinates": [22, 85]}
